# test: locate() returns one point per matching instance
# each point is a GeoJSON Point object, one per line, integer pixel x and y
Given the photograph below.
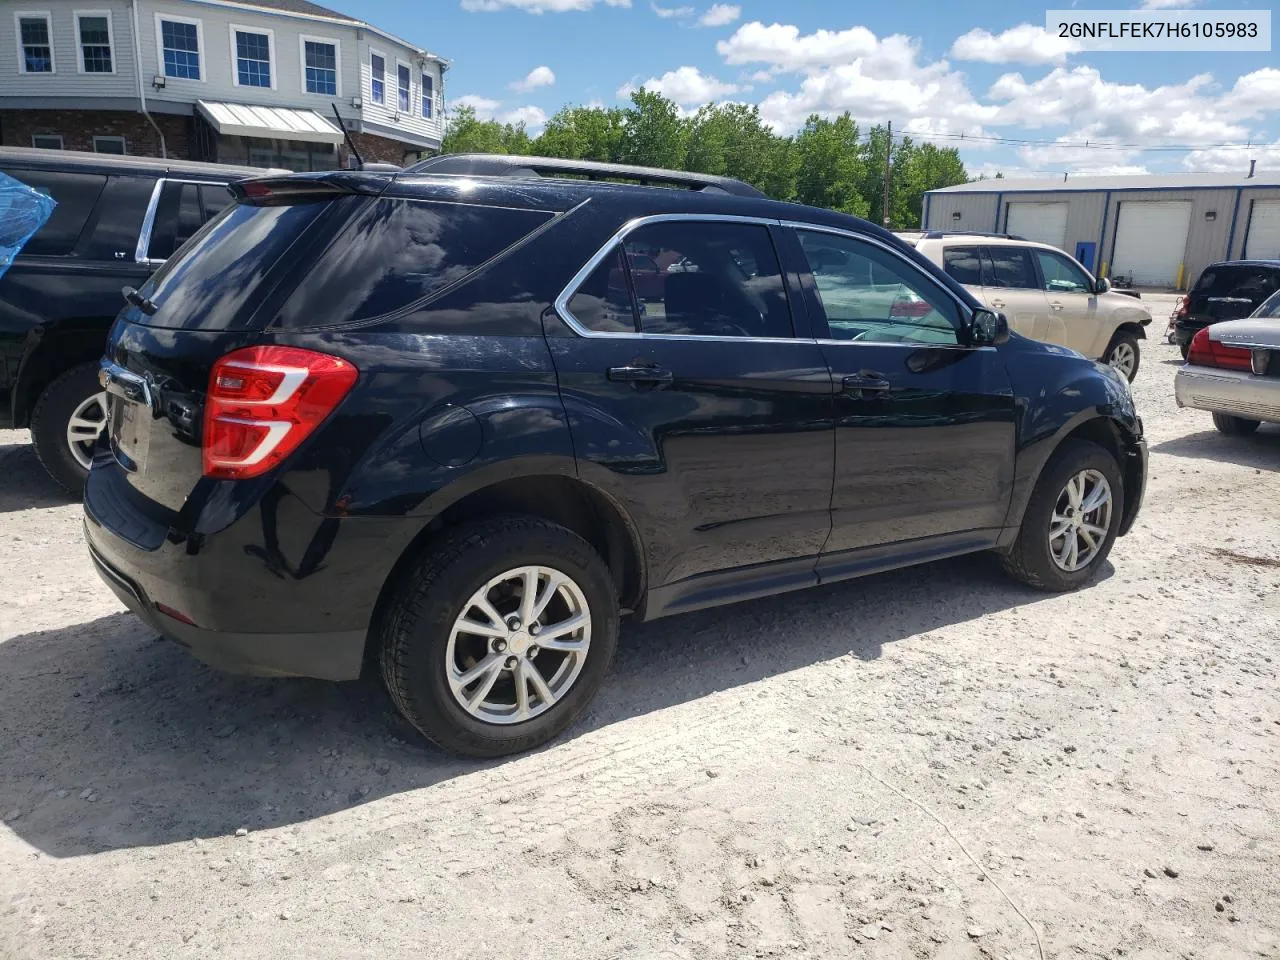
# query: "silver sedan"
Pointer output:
{"type": "Point", "coordinates": [1233, 371]}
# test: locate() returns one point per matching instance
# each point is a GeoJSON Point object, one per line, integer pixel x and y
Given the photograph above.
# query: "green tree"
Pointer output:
{"type": "Point", "coordinates": [654, 135]}
{"type": "Point", "coordinates": [829, 165]}
{"type": "Point", "coordinates": [582, 133]}
{"type": "Point", "coordinates": [467, 133]}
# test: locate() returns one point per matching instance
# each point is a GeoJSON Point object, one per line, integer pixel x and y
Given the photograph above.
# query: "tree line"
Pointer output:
{"type": "Point", "coordinates": [829, 163]}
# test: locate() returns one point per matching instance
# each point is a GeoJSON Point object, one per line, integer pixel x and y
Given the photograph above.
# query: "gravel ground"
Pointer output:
{"type": "Point", "coordinates": [929, 763]}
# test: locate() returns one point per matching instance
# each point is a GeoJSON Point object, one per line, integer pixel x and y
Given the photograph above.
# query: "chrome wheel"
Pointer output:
{"type": "Point", "coordinates": [1124, 358]}
{"type": "Point", "coordinates": [518, 645]}
{"type": "Point", "coordinates": [87, 421]}
{"type": "Point", "coordinates": [1080, 522]}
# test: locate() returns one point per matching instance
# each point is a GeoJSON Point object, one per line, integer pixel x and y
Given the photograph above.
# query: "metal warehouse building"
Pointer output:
{"type": "Point", "coordinates": [1154, 231]}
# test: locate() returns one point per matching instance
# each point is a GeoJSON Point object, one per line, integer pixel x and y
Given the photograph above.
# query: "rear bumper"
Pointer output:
{"type": "Point", "coordinates": [1234, 392]}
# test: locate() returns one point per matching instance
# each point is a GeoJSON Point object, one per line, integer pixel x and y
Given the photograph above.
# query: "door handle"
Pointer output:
{"type": "Point", "coordinates": [640, 374]}
{"type": "Point", "coordinates": [1055, 305]}
{"type": "Point", "coordinates": [998, 304]}
{"type": "Point", "coordinates": [865, 383]}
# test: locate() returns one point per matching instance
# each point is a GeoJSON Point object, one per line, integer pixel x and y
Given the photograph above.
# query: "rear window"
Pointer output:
{"type": "Point", "coordinates": [215, 283]}
{"type": "Point", "coordinates": [397, 252]}
{"type": "Point", "coordinates": [1252, 283]}
{"type": "Point", "coordinates": [75, 193]}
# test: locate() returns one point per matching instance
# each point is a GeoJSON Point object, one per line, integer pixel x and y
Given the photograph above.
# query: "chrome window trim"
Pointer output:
{"type": "Point", "coordinates": [149, 219]}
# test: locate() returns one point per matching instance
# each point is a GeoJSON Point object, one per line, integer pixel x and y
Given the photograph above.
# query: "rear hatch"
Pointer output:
{"type": "Point", "coordinates": [1229, 291]}
{"type": "Point", "coordinates": [212, 297]}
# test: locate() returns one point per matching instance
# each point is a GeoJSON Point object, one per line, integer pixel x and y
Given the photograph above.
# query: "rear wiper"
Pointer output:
{"type": "Point", "coordinates": [139, 301]}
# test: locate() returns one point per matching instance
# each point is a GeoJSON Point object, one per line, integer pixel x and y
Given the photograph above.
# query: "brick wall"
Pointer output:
{"type": "Point", "coordinates": [376, 149]}
{"type": "Point", "coordinates": [79, 127]}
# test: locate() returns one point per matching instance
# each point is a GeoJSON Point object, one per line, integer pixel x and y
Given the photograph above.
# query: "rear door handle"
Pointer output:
{"type": "Point", "coordinates": [998, 304]}
{"type": "Point", "coordinates": [640, 374]}
{"type": "Point", "coordinates": [1055, 305]}
{"type": "Point", "coordinates": [865, 383]}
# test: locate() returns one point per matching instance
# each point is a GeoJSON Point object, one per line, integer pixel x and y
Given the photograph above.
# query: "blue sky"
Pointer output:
{"type": "Point", "coordinates": [936, 70]}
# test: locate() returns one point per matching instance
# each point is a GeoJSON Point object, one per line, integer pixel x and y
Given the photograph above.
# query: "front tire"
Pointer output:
{"type": "Point", "coordinates": [1124, 355]}
{"type": "Point", "coordinates": [66, 422]}
{"type": "Point", "coordinates": [1234, 426]}
{"type": "Point", "coordinates": [500, 636]}
{"type": "Point", "coordinates": [1071, 521]}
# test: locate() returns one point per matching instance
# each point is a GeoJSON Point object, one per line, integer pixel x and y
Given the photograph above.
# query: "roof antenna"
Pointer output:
{"type": "Point", "coordinates": [1252, 163]}
{"type": "Point", "coordinates": [351, 145]}
{"type": "Point", "coordinates": [1064, 176]}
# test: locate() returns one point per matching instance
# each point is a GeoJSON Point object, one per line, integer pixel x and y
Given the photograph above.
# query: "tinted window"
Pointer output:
{"type": "Point", "coordinates": [603, 301]}
{"type": "Point", "coordinates": [1271, 308]}
{"type": "Point", "coordinates": [1060, 274]}
{"type": "Point", "coordinates": [1252, 283]}
{"type": "Point", "coordinates": [215, 282]}
{"type": "Point", "coordinates": [75, 194]}
{"type": "Point", "coordinates": [396, 252]}
{"type": "Point", "coordinates": [214, 198]}
{"type": "Point", "coordinates": [963, 264]}
{"type": "Point", "coordinates": [871, 295]}
{"type": "Point", "coordinates": [1011, 267]}
{"type": "Point", "coordinates": [728, 282]}
{"type": "Point", "coordinates": [178, 216]}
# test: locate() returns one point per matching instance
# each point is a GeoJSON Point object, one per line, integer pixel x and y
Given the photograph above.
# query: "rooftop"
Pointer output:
{"type": "Point", "coordinates": [1151, 181]}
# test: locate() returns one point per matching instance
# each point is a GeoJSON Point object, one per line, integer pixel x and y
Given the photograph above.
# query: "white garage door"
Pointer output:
{"type": "Point", "coordinates": [1042, 222]}
{"type": "Point", "coordinates": [1151, 240]}
{"type": "Point", "coordinates": [1263, 239]}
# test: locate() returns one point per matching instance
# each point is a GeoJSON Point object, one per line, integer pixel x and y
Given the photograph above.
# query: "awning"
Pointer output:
{"type": "Point", "coordinates": [272, 123]}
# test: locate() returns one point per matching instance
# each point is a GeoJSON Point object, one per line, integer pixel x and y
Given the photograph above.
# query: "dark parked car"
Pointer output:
{"type": "Point", "coordinates": [116, 219]}
{"type": "Point", "coordinates": [1229, 290]}
{"type": "Point", "coordinates": [421, 417]}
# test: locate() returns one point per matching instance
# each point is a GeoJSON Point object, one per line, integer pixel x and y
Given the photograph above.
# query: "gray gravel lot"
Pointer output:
{"type": "Point", "coordinates": [804, 776]}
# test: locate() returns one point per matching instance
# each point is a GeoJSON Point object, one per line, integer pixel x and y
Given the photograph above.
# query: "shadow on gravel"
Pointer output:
{"type": "Point", "coordinates": [24, 485]}
{"type": "Point", "coordinates": [1260, 451]}
{"type": "Point", "coordinates": [111, 738]}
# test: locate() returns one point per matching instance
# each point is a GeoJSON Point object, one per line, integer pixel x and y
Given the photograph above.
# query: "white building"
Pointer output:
{"type": "Point", "coordinates": [235, 82]}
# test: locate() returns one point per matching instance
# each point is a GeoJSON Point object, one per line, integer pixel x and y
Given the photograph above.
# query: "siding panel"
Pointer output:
{"type": "Point", "coordinates": [67, 81]}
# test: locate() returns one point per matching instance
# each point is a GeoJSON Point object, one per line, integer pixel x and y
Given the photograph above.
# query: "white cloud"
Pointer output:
{"type": "Point", "coordinates": [783, 46]}
{"type": "Point", "coordinates": [685, 85]}
{"type": "Point", "coordinates": [1234, 159]}
{"type": "Point", "coordinates": [1255, 93]}
{"type": "Point", "coordinates": [720, 15]}
{"type": "Point", "coordinates": [537, 77]}
{"type": "Point", "coordinates": [1169, 4]}
{"type": "Point", "coordinates": [666, 13]}
{"type": "Point", "coordinates": [483, 106]}
{"type": "Point", "coordinates": [1025, 43]}
{"type": "Point", "coordinates": [537, 6]}
{"type": "Point", "coordinates": [762, 76]}
{"type": "Point", "coordinates": [533, 118]}
{"type": "Point", "coordinates": [486, 108]}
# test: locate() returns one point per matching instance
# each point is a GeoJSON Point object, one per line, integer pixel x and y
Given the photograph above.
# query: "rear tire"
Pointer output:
{"type": "Point", "coordinates": [1036, 557]}
{"type": "Point", "coordinates": [1184, 349]}
{"type": "Point", "coordinates": [425, 656]}
{"type": "Point", "coordinates": [1234, 426]}
{"type": "Point", "coordinates": [74, 393]}
{"type": "Point", "coordinates": [1124, 355]}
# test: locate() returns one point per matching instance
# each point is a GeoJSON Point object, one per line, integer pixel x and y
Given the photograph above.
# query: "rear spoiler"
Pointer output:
{"type": "Point", "coordinates": [307, 187]}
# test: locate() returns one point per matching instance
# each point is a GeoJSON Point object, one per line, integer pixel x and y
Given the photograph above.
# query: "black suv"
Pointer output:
{"type": "Point", "coordinates": [116, 219]}
{"type": "Point", "coordinates": [432, 418]}
{"type": "Point", "coordinates": [1229, 290]}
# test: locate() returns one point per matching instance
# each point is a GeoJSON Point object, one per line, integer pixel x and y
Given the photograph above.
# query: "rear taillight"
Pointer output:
{"type": "Point", "coordinates": [263, 402]}
{"type": "Point", "coordinates": [1209, 353]}
{"type": "Point", "coordinates": [1181, 311]}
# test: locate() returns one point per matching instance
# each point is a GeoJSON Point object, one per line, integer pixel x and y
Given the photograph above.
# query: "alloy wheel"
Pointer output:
{"type": "Point", "coordinates": [1081, 520]}
{"type": "Point", "coordinates": [1124, 358]}
{"type": "Point", "coordinates": [86, 423]}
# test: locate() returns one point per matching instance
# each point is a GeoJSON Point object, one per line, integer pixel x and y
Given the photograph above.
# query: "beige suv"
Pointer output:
{"type": "Point", "coordinates": [1045, 294]}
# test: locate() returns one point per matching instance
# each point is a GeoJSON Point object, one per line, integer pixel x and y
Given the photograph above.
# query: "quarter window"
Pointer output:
{"type": "Point", "coordinates": [428, 95]}
{"type": "Point", "coordinates": [963, 265]}
{"type": "Point", "coordinates": [402, 86]}
{"type": "Point", "coordinates": [603, 301]}
{"type": "Point", "coordinates": [708, 279]}
{"type": "Point", "coordinates": [33, 37]}
{"type": "Point", "coordinates": [377, 78]}
{"type": "Point", "coordinates": [1011, 267]}
{"type": "Point", "coordinates": [95, 42]}
{"type": "Point", "coordinates": [180, 46]}
{"type": "Point", "coordinates": [872, 296]}
{"type": "Point", "coordinates": [1061, 275]}
{"type": "Point", "coordinates": [253, 58]}
{"type": "Point", "coordinates": [321, 67]}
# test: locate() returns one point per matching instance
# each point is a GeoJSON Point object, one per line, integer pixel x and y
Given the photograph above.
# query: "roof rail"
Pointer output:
{"type": "Point", "coordinates": [504, 165]}
{"type": "Point", "coordinates": [938, 234]}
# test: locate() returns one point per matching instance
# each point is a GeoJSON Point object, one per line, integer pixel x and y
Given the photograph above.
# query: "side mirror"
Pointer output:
{"type": "Point", "coordinates": [1101, 285]}
{"type": "Point", "coordinates": [988, 328]}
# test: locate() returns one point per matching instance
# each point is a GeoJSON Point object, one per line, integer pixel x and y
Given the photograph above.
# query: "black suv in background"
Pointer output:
{"type": "Point", "coordinates": [433, 417]}
{"type": "Point", "coordinates": [1229, 290]}
{"type": "Point", "coordinates": [116, 219]}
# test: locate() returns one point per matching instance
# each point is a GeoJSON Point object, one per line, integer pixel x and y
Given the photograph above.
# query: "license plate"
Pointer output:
{"type": "Point", "coordinates": [130, 433]}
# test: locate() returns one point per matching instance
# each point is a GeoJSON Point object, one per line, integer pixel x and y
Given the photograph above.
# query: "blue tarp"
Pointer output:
{"type": "Point", "coordinates": [23, 211]}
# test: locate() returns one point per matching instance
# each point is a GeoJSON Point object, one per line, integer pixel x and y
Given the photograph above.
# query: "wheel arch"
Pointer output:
{"type": "Point", "coordinates": [50, 349]}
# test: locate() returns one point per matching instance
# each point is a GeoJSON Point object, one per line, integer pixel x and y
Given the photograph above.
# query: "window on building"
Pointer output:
{"type": "Point", "coordinates": [402, 86]}
{"type": "Point", "coordinates": [33, 37]}
{"type": "Point", "coordinates": [95, 42]}
{"type": "Point", "coordinates": [253, 58]}
{"type": "Point", "coordinates": [377, 78]}
{"type": "Point", "coordinates": [428, 95]}
{"type": "Point", "coordinates": [320, 60]}
{"type": "Point", "coordinates": [180, 49]}
{"type": "Point", "coordinates": [108, 145]}
{"type": "Point", "coordinates": [47, 141]}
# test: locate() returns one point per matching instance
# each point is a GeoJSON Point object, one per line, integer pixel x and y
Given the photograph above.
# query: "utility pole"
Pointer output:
{"type": "Point", "coordinates": [888, 175]}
